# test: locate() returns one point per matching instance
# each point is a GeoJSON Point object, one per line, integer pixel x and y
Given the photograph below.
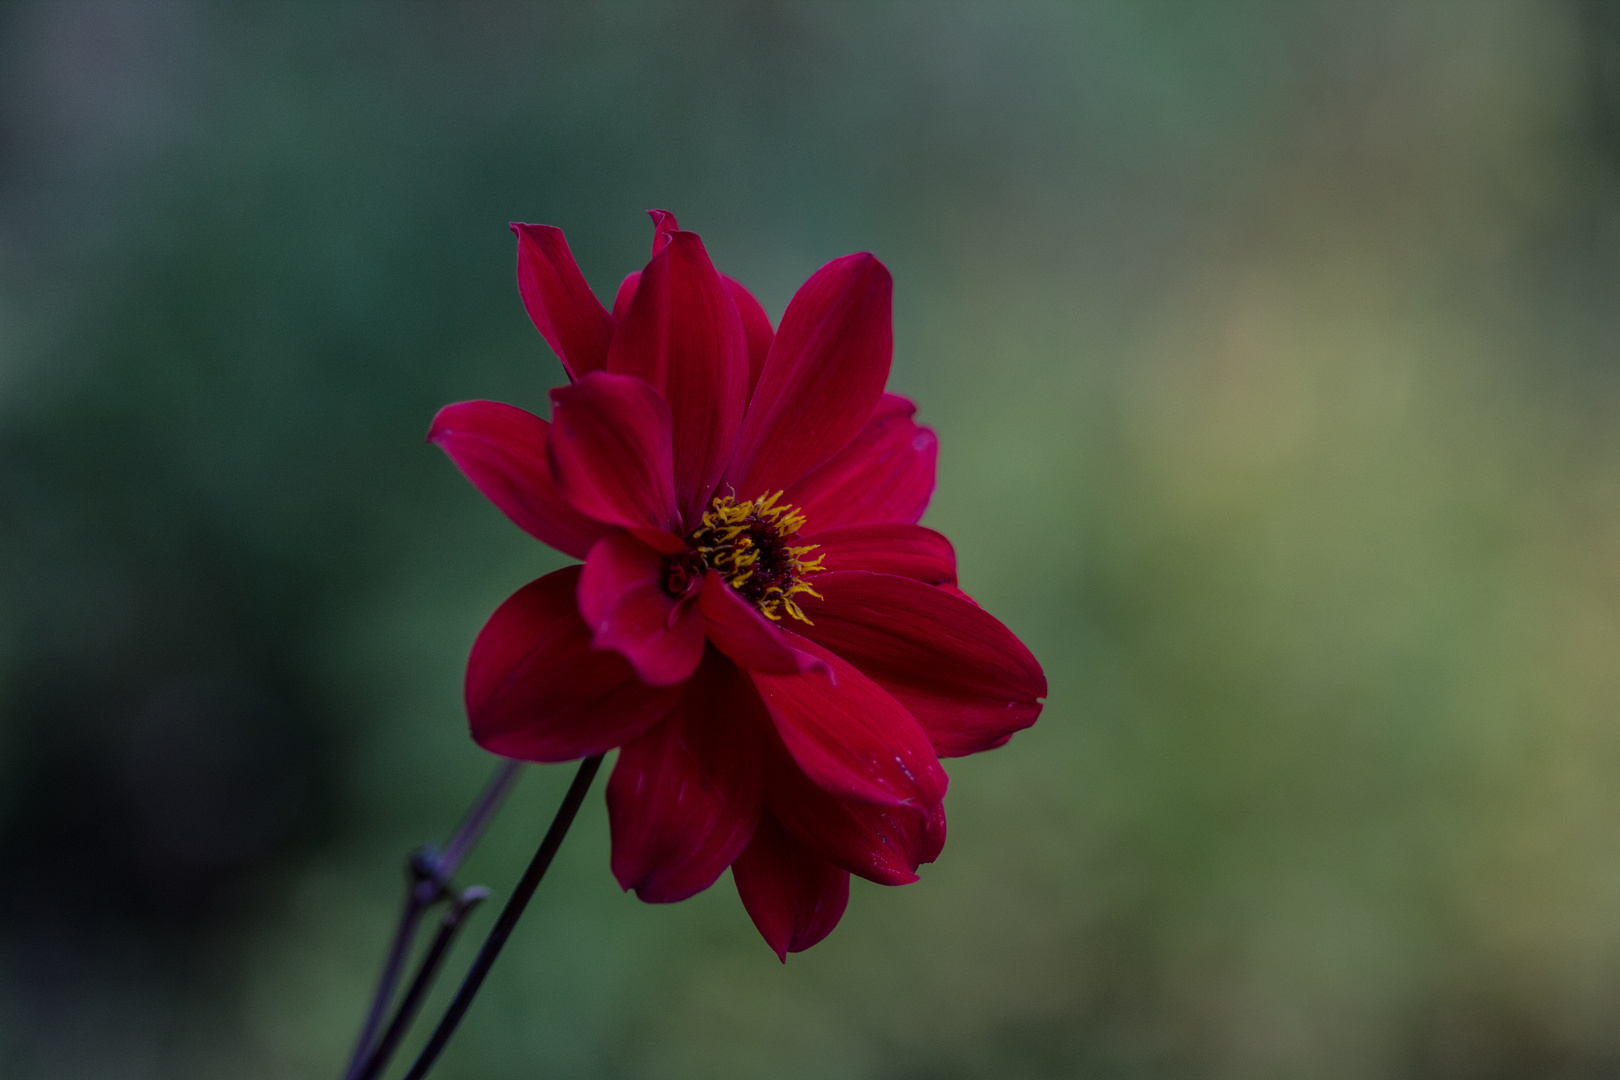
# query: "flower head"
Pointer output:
{"type": "Point", "coordinates": [760, 624]}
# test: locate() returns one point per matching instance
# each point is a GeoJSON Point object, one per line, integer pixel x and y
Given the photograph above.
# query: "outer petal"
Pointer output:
{"type": "Point", "coordinates": [757, 327]}
{"type": "Point", "coordinates": [537, 691]}
{"type": "Point", "coordinates": [565, 311]}
{"type": "Point", "coordinates": [684, 798]}
{"type": "Point", "coordinates": [850, 736]}
{"type": "Point", "coordinates": [751, 640]}
{"type": "Point", "coordinates": [965, 677]}
{"type": "Point", "coordinates": [886, 473]}
{"type": "Point", "coordinates": [825, 372]}
{"type": "Point", "coordinates": [664, 226]}
{"type": "Point", "coordinates": [626, 293]}
{"type": "Point", "coordinates": [880, 843]}
{"type": "Point", "coordinates": [888, 548]}
{"type": "Point", "coordinates": [610, 451]}
{"type": "Point", "coordinates": [794, 896]}
{"type": "Point", "coordinates": [622, 598]}
{"type": "Point", "coordinates": [683, 335]}
{"type": "Point", "coordinates": [502, 450]}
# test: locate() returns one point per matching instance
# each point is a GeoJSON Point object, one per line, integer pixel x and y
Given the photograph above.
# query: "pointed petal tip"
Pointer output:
{"type": "Point", "coordinates": [559, 300]}
{"type": "Point", "coordinates": [521, 228]}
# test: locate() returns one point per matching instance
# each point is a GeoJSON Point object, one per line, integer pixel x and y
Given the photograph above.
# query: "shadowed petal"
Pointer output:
{"type": "Point", "coordinates": [886, 473]}
{"type": "Point", "coordinates": [824, 374]}
{"type": "Point", "coordinates": [751, 640]}
{"type": "Point", "coordinates": [684, 798]}
{"type": "Point", "coordinates": [794, 896]}
{"type": "Point", "coordinates": [610, 451]}
{"type": "Point", "coordinates": [626, 293]}
{"type": "Point", "coordinates": [888, 548]}
{"type": "Point", "coordinates": [502, 450]}
{"type": "Point", "coordinates": [537, 691]}
{"type": "Point", "coordinates": [965, 677]}
{"type": "Point", "coordinates": [622, 599]}
{"type": "Point", "coordinates": [850, 736]}
{"type": "Point", "coordinates": [683, 336]}
{"type": "Point", "coordinates": [565, 311]}
{"type": "Point", "coordinates": [757, 327]}
{"type": "Point", "coordinates": [880, 843]}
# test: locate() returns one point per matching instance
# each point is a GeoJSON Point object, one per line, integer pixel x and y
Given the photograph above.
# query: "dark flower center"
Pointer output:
{"type": "Point", "coordinates": [750, 545]}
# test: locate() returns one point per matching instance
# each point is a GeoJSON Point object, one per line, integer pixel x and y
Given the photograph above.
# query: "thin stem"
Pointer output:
{"type": "Point", "coordinates": [508, 918]}
{"type": "Point", "coordinates": [423, 981]}
{"type": "Point", "coordinates": [404, 933]}
{"type": "Point", "coordinates": [473, 825]}
{"type": "Point", "coordinates": [428, 881]}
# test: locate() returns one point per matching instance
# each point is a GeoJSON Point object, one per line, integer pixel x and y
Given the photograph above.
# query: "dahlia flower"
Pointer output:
{"type": "Point", "coordinates": [778, 649]}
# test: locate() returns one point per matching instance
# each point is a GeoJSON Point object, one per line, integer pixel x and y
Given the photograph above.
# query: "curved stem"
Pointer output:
{"type": "Point", "coordinates": [508, 918]}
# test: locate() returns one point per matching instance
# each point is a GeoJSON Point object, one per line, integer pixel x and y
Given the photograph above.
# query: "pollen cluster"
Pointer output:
{"type": "Point", "coordinates": [749, 544]}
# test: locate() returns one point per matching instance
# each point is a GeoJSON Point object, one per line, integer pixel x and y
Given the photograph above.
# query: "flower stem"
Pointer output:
{"type": "Point", "coordinates": [428, 875]}
{"type": "Point", "coordinates": [423, 981]}
{"type": "Point", "coordinates": [508, 918]}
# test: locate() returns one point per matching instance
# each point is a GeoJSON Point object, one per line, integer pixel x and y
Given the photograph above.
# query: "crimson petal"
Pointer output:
{"type": "Point", "coordinates": [664, 226]}
{"type": "Point", "coordinates": [966, 678]}
{"type": "Point", "coordinates": [757, 328]}
{"type": "Point", "coordinates": [610, 451]}
{"type": "Point", "coordinates": [537, 691]}
{"type": "Point", "coordinates": [880, 843]}
{"type": "Point", "coordinates": [794, 896]}
{"type": "Point", "coordinates": [684, 798]}
{"type": "Point", "coordinates": [626, 293]}
{"type": "Point", "coordinates": [502, 450]}
{"type": "Point", "coordinates": [622, 599]}
{"type": "Point", "coordinates": [565, 311]}
{"type": "Point", "coordinates": [824, 374]}
{"type": "Point", "coordinates": [751, 640]}
{"type": "Point", "coordinates": [888, 548]}
{"type": "Point", "coordinates": [886, 473]}
{"type": "Point", "coordinates": [850, 736]}
{"type": "Point", "coordinates": [682, 335]}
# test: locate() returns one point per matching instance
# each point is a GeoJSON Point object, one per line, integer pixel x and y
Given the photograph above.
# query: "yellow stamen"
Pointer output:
{"type": "Point", "coordinates": [744, 541]}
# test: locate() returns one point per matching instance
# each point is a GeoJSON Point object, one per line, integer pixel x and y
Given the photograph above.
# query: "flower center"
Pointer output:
{"type": "Point", "coordinates": [749, 544]}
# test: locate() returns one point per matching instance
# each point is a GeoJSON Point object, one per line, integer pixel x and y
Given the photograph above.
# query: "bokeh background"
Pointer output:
{"type": "Point", "coordinates": [1274, 351]}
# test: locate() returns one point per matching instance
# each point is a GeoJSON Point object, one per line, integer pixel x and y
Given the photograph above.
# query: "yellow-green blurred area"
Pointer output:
{"type": "Point", "coordinates": [1274, 352]}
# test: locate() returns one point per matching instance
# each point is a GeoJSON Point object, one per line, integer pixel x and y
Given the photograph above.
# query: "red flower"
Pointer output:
{"type": "Point", "coordinates": [779, 649]}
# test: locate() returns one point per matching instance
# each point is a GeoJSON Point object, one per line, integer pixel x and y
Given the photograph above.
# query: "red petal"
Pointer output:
{"type": "Point", "coordinates": [825, 373]}
{"type": "Point", "coordinates": [537, 691]}
{"type": "Point", "coordinates": [850, 736]}
{"type": "Point", "coordinates": [565, 311]}
{"type": "Point", "coordinates": [757, 327]}
{"type": "Point", "coordinates": [664, 226]}
{"type": "Point", "coordinates": [880, 843]}
{"type": "Point", "coordinates": [610, 451]}
{"type": "Point", "coordinates": [794, 896]}
{"type": "Point", "coordinates": [965, 677]}
{"type": "Point", "coordinates": [502, 450]}
{"type": "Point", "coordinates": [751, 640]}
{"type": "Point", "coordinates": [622, 599]}
{"type": "Point", "coordinates": [684, 798]}
{"type": "Point", "coordinates": [933, 834]}
{"type": "Point", "coordinates": [626, 293]}
{"type": "Point", "coordinates": [888, 548]}
{"type": "Point", "coordinates": [683, 336]}
{"type": "Point", "coordinates": [886, 473]}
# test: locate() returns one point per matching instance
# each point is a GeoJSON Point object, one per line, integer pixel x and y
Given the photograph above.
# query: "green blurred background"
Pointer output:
{"type": "Point", "coordinates": [1274, 351]}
